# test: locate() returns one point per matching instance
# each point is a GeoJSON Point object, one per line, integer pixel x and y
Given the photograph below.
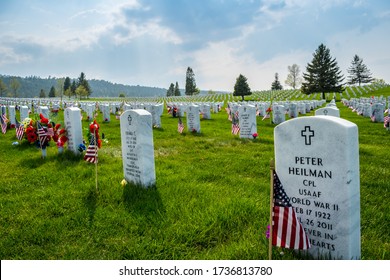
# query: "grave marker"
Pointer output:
{"type": "Point", "coordinates": [317, 161]}
{"type": "Point", "coordinates": [137, 147]}
{"type": "Point", "coordinates": [73, 128]}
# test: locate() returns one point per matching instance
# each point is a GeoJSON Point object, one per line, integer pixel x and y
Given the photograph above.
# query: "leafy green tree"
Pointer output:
{"type": "Point", "coordinates": [42, 93]}
{"type": "Point", "coordinates": [241, 88]}
{"type": "Point", "coordinates": [293, 78]}
{"type": "Point", "coordinates": [14, 85]}
{"type": "Point", "coordinates": [3, 88]}
{"type": "Point", "coordinates": [322, 74]}
{"type": "Point", "coordinates": [190, 82]}
{"type": "Point", "coordinates": [81, 92]}
{"type": "Point", "coordinates": [177, 90]}
{"type": "Point", "coordinates": [82, 81]}
{"type": "Point", "coordinates": [52, 92]}
{"type": "Point", "coordinates": [276, 84]}
{"type": "Point", "coordinates": [359, 73]}
{"type": "Point", "coordinates": [122, 95]}
{"type": "Point", "coordinates": [171, 90]}
{"type": "Point", "coordinates": [60, 87]}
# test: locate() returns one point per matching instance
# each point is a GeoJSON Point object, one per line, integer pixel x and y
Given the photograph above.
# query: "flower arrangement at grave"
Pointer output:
{"type": "Point", "coordinates": [94, 130]}
{"type": "Point", "coordinates": [254, 135]}
{"type": "Point", "coordinates": [49, 131]}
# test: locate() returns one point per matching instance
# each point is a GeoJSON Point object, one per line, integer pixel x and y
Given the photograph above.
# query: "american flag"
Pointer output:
{"type": "Point", "coordinates": [91, 154]}
{"type": "Point", "coordinates": [235, 125]}
{"type": "Point", "coordinates": [386, 121]}
{"type": "Point", "coordinates": [287, 231]}
{"type": "Point", "coordinates": [19, 130]}
{"type": "Point", "coordinates": [42, 134]}
{"type": "Point", "coordinates": [4, 121]}
{"type": "Point", "coordinates": [180, 126]}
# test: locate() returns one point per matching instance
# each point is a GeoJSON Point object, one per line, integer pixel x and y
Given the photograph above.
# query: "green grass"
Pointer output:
{"type": "Point", "coordinates": [211, 199]}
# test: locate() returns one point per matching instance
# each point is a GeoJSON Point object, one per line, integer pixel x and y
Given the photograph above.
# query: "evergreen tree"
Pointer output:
{"type": "Point", "coordinates": [241, 88]}
{"type": "Point", "coordinates": [322, 74]}
{"type": "Point", "coordinates": [177, 90]}
{"type": "Point", "coordinates": [67, 83]}
{"type": "Point", "coordinates": [190, 82]}
{"type": "Point", "coordinates": [293, 79]}
{"type": "Point", "coordinates": [42, 93]}
{"type": "Point", "coordinates": [52, 92]}
{"type": "Point", "coordinates": [276, 84]}
{"type": "Point", "coordinates": [82, 81]}
{"type": "Point", "coordinates": [171, 90]}
{"type": "Point", "coordinates": [359, 73]}
{"type": "Point", "coordinates": [73, 88]}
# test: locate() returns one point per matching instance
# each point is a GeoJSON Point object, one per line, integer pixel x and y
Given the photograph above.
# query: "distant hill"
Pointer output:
{"type": "Point", "coordinates": [31, 87]}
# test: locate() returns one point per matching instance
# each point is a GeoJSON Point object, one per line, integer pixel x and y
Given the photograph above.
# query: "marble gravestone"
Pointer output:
{"type": "Point", "coordinates": [193, 118]}
{"type": "Point", "coordinates": [137, 147]}
{"type": "Point", "coordinates": [23, 112]}
{"type": "Point", "coordinates": [377, 112]}
{"type": "Point", "coordinates": [293, 110]}
{"type": "Point", "coordinates": [317, 161]}
{"type": "Point", "coordinates": [106, 112]}
{"type": "Point", "coordinates": [278, 114]}
{"type": "Point", "coordinates": [247, 121]}
{"type": "Point", "coordinates": [44, 110]}
{"type": "Point", "coordinates": [73, 128]}
{"type": "Point", "coordinates": [328, 111]}
{"type": "Point", "coordinates": [12, 114]}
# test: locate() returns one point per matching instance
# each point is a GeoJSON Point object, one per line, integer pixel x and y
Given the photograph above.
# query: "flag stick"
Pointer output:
{"type": "Point", "coordinates": [272, 168]}
{"type": "Point", "coordinates": [96, 160]}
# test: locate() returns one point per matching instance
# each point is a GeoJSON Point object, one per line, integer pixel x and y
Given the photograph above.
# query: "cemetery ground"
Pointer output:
{"type": "Point", "coordinates": [210, 202]}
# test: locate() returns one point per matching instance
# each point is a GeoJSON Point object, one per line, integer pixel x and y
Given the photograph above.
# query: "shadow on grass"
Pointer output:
{"type": "Point", "coordinates": [90, 202]}
{"type": "Point", "coordinates": [143, 201]}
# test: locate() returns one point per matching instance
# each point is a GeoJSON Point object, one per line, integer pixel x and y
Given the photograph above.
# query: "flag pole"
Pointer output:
{"type": "Point", "coordinates": [272, 169]}
{"type": "Point", "coordinates": [96, 160]}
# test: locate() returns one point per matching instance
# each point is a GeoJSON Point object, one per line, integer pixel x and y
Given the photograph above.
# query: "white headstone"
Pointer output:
{"type": "Point", "coordinates": [317, 161]}
{"type": "Point", "coordinates": [193, 119]}
{"type": "Point", "coordinates": [278, 114]}
{"type": "Point", "coordinates": [23, 112]}
{"type": "Point", "coordinates": [106, 112]}
{"type": "Point", "coordinates": [12, 114]}
{"type": "Point", "coordinates": [377, 112]}
{"type": "Point", "coordinates": [44, 110]}
{"type": "Point", "coordinates": [137, 147]}
{"type": "Point", "coordinates": [247, 121]}
{"type": "Point", "coordinates": [73, 128]}
{"type": "Point", "coordinates": [293, 110]}
{"type": "Point", "coordinates": [328, 111]}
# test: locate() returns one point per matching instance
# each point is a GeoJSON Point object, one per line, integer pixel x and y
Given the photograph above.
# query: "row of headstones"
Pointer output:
{"type": "Point", "coordinates": [205, 108]}
{"type": "Point", "coordinates": [366, 108]}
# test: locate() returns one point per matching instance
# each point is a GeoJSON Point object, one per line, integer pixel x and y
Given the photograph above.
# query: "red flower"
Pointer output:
{"type": "Point", "coordinates": [32, 137]}
{"type": "Point", "coordinates": [12, 126]}
{"type": "Point", "coordinates": [57, 126]}
{"type": "Point", "coordinates": [63, 139]}
{"type": "Point", "coordinates": [55, 138]}
{"type": "Point", "coordinates": [29, 130]}
{"type": "Point", "coordinates": [62, 131]}
{"type": "Point", "coordinates": [99, 143]}
{"type": "Point", "coordinates": [43, 119]}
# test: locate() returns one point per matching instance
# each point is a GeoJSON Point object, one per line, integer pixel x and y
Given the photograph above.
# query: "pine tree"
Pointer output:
{"type": "Point", "coordinates": [52, 92]}
{"type": "Point", "coordinates": [190, 82]}
{"type": "Point", "coordinates": [42, 93]}
{"type": "Point", "coordinates": [73, 88]}
{"type": "Point", "coordinates": [82, 81]}
{"type": "Point", "coordinates": [359, 73]}
{"type": "Point", "coordinates": [276, 84]}
{"type": "Point", "coordinates": [241, 88]}
{"type": "Point", "coordinates": [177, 90]}
{"type": "Point", "coordinates": [67, 84]}
{"type": "Point", "coordinates": [171, 90]}
{"type": "Point", "coordinates": [322, 74]}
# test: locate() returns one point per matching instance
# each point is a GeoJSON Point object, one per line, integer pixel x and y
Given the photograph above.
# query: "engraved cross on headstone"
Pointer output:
{"type": "Point", "coordinates": [308, 134]}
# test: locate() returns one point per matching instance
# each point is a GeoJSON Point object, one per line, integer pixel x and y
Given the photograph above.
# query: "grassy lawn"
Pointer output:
{"type": "Point", "coordinates": [211, 199]}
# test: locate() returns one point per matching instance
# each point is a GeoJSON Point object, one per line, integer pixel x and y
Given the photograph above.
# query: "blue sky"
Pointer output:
{"type": "Point", "coordinates": [152, 42]}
